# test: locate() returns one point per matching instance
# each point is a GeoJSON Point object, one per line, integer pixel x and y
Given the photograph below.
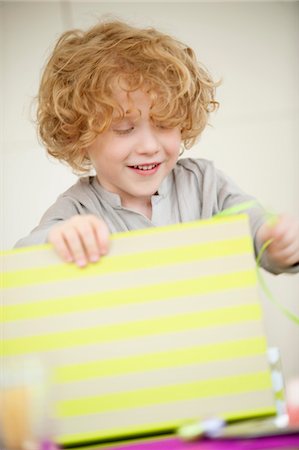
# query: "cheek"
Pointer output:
{"type": "Point", "coordinates": [174, 143]}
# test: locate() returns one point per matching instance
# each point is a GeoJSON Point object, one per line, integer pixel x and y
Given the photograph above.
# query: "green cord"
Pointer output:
{"type": "Point", "coordinates": [241, 207]}
{"type": "Point", "coordinates": [262, 251]}
{"type": "Point", "coordinates": [271, 297]}
{"type": "Point", "coordinates": [271, 219]}
{"type": "Point", "coordinates": [265, 288]}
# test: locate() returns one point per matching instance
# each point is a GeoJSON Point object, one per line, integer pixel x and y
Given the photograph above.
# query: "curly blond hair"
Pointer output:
{"type": "Point", "coordinates": [75, 99]}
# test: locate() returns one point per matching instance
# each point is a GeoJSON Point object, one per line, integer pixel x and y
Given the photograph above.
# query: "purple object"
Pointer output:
{"type": "Point", "coordinates": [282, 442]}
{"type": "Point", "coordinates": [48, 445]}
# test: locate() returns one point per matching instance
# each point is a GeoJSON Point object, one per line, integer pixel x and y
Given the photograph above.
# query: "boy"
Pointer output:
{"type": "Point", "coordinates": [124, 100]}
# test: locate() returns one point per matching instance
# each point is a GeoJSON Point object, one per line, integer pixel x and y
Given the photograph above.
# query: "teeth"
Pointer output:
{"type": "Point", "coordinates": [149, 167]}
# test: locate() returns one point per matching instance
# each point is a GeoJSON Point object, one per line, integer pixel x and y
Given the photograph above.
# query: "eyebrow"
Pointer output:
{"type": "Point", "coordinates": [120, 120]}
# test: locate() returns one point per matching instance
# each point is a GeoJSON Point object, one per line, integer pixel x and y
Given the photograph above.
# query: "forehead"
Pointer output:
{"type": "Point", "coordinates": [131, 103]}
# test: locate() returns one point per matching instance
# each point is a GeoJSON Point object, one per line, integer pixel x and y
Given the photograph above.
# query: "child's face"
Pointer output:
{"type": "Point", "coordinates": [134, 155]}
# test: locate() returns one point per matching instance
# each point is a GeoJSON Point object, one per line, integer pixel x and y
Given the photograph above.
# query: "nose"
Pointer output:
{"type": "Point", "coordinates": [149, 142]}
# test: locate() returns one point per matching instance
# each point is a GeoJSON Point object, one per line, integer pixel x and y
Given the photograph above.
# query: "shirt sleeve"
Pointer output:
{"type": "Point", "coordinates": [229, 194]}
{"type": "Point", "coordinates": [62, 209]}
{"type": "Point", "coordinates": [220, 192]}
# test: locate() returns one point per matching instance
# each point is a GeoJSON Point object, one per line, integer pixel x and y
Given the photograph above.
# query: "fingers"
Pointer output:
{"type": "Point", "coordinates": [56, 238]}
{"type": "Point", "coordinates": [81, 239]}
{"type": "Point", "coordinates": [284, 248]}
{"type": "Point", "coordinates": [102, 235]}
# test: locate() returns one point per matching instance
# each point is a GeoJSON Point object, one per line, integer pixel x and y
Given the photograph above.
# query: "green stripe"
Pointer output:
{"type": "Point", "coordinates": [125, 263]}
{"type": "Point", "coordinates": [141, 398]}
{"type": "Point", "coordinates": [161, 325]}
{"type": "Point", "coordinates": [153, 361]}
{"type": "Point", "coordinates": [236, 209]}
{"type": "Point", "coordinates": [139, 294]}
{"type": "Point", "coordinates": [148, 428]}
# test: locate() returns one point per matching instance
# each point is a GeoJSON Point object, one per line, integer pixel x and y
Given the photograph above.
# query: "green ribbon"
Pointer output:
{"type": "Point", "coordinates": [266, 289]}
{"type": "Point", "coordinates": [271, 219]}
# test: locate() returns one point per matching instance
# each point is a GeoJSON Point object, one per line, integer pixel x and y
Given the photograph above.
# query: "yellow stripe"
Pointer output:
{"type": "Point", "coordinates": [153, 361]}
{"type": "Point", "coordinates": [20, 250]}
{"type": "Point", "coordinates": [215, 220]}
{"type": "Point", "coordinates": [176, 323]}
{"type": "Point", "coordinates": [113, 298]}
{"type": "Point", "coordinates": [148, 428]}
{"type": "Point", "coordinates": [124, 263]}
{"type": "Point", "coordinates": [164, 394]}
{"type": "Point", "coordinates": [201, 223]}
{"type": "Point", "coordinates": [136, 434]}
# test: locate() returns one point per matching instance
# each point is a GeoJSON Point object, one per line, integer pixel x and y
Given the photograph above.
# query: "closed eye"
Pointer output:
{"type": "Point", "coordinates": [162, 126]}
{"type": "Point", "coordinates": [123, 131]}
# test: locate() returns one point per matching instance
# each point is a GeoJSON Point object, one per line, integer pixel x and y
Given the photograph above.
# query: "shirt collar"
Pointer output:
{"type": "Point", "coordinates": [114, 199]}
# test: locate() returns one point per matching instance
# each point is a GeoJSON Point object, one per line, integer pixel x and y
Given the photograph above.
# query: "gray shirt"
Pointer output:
{"type": "Point", "coordinates": [193, 190]}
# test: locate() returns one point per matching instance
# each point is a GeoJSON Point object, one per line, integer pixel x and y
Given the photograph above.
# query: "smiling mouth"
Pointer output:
{"type": "Point", "coordinates": [145, 167]}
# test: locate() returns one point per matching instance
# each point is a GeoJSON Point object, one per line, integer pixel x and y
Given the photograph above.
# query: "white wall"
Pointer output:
{"type": "Point", "coordinates": [253, 47]}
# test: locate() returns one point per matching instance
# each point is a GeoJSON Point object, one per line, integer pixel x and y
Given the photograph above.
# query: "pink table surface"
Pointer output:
{"type": "Point", "coordinates": [286, 442]}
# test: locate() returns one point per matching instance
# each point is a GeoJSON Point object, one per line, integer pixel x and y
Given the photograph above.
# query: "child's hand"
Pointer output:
{"type": "Point", "coordinates": [284, 250]}
{"type": "Point", "coordinates": [81, 239]}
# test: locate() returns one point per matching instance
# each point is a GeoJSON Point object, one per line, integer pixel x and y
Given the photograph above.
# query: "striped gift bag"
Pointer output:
{"type": "Point", "coordinates": [165, 329]}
